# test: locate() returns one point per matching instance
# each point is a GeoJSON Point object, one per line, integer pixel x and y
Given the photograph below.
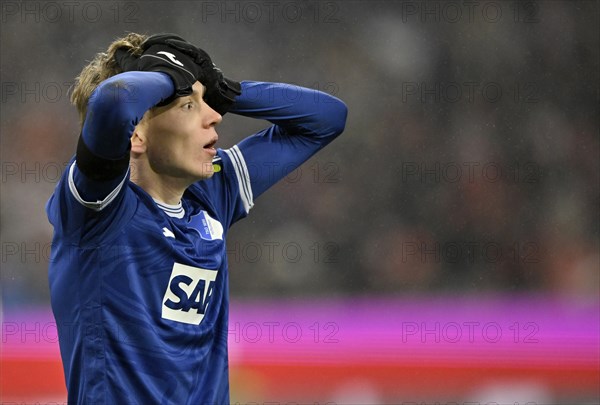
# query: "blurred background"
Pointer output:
{"type": "Point", "coordinates": [444, 248]}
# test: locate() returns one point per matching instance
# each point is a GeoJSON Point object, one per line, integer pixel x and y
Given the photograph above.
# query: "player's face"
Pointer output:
{"type": "Point", "coordinates": [181, 137]}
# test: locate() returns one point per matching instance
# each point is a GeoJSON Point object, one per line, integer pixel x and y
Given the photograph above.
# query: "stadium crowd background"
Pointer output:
{"type": "Point", "coordinates": [469, 165]}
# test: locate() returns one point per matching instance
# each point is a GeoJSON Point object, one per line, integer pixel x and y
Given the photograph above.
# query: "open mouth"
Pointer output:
{"type": "Point", "coordinates": [211, 144]}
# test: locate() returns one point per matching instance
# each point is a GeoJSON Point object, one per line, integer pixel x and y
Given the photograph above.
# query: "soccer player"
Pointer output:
{"type": "Point", "coordinates": [138, 272]}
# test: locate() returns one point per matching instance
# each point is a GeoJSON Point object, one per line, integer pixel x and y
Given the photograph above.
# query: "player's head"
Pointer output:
{"type": "Point", "coordinates": [173, 140]}
{"type": "Point", "coordinates": [177, 141]}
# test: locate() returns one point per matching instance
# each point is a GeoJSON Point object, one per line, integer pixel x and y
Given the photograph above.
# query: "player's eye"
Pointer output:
{"type": "Point", "coordinates": [188, 106]}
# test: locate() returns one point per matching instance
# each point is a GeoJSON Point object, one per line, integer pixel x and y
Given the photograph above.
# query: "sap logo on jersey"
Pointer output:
{"type": "Point", "coordinates": [188, 294]}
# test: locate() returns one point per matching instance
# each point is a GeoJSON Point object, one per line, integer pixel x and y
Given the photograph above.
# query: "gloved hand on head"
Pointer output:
{"type": "Point", "coordinates": [185, 64]}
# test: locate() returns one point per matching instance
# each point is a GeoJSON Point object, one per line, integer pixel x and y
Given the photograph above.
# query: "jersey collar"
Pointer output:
{"type": "Point", "coordinates": [172, 210]}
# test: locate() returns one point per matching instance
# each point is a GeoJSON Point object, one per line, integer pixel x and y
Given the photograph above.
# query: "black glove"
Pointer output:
{"type": "Point", "coordinates": [220, 92]}
{"type": "Point", "coordinates": [162, 58]}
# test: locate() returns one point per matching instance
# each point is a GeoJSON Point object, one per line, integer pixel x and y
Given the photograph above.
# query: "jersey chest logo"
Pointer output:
{"type": "Point", "coordinates": [208, 227]}
{"type": "Point", "coordinates": [188, 294]}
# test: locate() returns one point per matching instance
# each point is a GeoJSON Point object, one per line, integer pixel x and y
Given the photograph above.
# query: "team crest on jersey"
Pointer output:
{"type": "Point", "coordinates": [208, 227]}
{"type": "Point", "coordinates": [188, 294]}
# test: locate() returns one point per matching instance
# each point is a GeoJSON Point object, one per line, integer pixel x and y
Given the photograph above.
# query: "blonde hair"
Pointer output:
{"type": "Point", "coordinates": [101, 68]}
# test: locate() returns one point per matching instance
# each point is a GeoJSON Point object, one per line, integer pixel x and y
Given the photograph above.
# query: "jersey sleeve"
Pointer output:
{"type": "Point", "coordinates": [115, 107]}
{"type": "Point", "coordinates": [304, 121]}
{"type": "Point", "coordinates": [94, 182]}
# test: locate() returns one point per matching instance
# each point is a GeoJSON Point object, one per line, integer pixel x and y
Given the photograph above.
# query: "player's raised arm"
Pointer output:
{"type": "Point", "coordinates": [305, 120]}
{"type": "Point", "coordinates": [114, 109]}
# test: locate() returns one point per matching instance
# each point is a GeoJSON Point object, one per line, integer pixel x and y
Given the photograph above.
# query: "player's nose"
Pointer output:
{"type": "Point", "coordinates": [213, 118]}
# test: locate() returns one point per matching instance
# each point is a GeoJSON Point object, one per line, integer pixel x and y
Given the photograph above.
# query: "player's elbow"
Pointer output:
{"type": "Point", "coordinates": [335, 114]}
{"type": "Point", "coordinates": [340, 115]}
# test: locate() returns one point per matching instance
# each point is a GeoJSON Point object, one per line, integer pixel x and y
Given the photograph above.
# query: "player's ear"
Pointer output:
{"type": "Point", "coordinates": [138, 140]}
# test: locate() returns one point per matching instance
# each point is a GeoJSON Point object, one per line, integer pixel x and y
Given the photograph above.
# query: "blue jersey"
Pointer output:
{"type": "Point", "coordinates": [139, 288]}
